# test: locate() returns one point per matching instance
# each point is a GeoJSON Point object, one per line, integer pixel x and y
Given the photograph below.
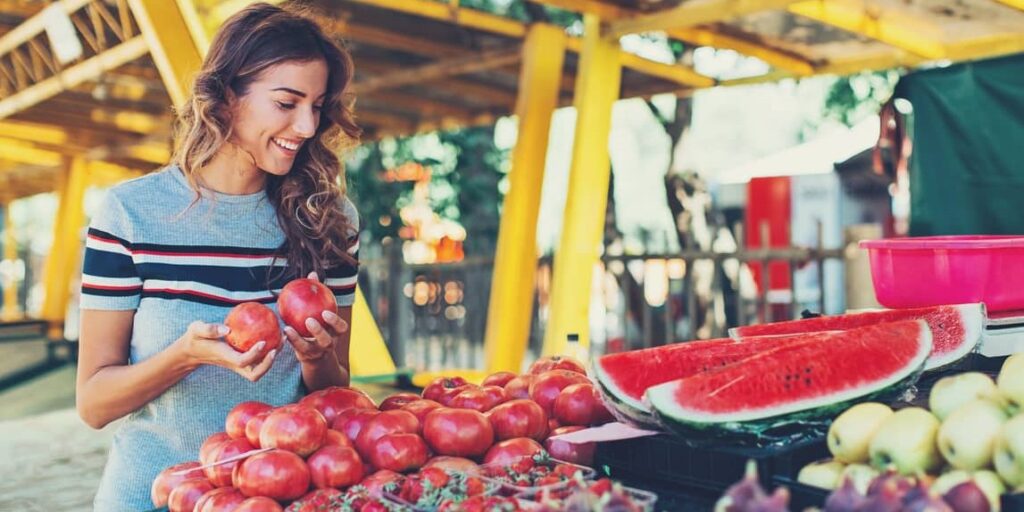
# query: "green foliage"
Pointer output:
{"type": "Point", "coordinates": [851, 98]}
{"type": "Point", "coordinates": [466, 171]}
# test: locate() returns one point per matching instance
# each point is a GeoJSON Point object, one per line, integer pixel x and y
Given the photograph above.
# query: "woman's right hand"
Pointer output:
{"type": "Point", "coordinates": [202, 345]}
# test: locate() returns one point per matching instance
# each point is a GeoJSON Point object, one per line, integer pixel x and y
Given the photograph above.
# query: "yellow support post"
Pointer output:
{"type": "Point", "coordinates": [11, 310]}
{"type": "Point", "coordinates": [368, 354]}
{"type": "Point", "coordinates": [515, 262]}
{"type": "Point", "coordinates": [597, 88]}
{"type": "Point", "coordinates": [66, 250]}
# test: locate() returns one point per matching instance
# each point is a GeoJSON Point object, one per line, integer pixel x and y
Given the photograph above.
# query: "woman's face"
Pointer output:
{"type": "Point", "coordinates": [279, 113]}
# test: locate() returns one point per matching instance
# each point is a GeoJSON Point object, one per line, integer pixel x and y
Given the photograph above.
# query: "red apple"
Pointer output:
{"type": "Point", "coordinates": [305, 298]}
{"type": "Point", "coordinates": [300, 429]}
{"type": "Point", "coordinates": [252, 322]}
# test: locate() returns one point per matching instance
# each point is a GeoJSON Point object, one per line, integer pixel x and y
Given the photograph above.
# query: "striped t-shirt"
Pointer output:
{"type": "Point", "coordinates": [151, 250]}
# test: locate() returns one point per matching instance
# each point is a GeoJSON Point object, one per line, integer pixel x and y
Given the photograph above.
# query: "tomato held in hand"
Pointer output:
{"type": "Point", "coordinates": [250, 323]}
{"type": "Point", "coordinates": [305, 298]}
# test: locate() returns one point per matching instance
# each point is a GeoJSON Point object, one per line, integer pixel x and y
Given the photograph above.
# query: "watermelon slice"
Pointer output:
{"type": "Point", "coordinates": [956, 330]}
{"type": "Point", "coordinates": [798, 381]}
{"type": "Point", "coordinates": [624, 377]}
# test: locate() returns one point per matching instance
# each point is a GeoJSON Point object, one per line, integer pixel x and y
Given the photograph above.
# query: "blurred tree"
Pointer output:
{"type": "Point", "coordinates": [852, 98]}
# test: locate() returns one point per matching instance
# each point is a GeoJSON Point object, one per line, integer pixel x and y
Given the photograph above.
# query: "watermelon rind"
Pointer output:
{"type": "Point", "coordinates": [624, 408]}
{"type": "Point", "coordinates": [972, 318]}
{"type": "Point", "coordinates": [691, 422]}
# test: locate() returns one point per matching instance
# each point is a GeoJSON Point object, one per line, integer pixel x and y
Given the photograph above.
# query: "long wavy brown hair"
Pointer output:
{"type": "Point", "coordinates": [308, 200]}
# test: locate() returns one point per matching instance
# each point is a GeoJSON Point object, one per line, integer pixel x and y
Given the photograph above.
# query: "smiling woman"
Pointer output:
{"type": "Point", "coordinates": [252, 200]}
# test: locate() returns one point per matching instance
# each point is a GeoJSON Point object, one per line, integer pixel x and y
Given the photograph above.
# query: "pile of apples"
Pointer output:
{"type": "Point", "coordinates": [967, 449]}
{"type": "Point", "coordinates": [338, 438]}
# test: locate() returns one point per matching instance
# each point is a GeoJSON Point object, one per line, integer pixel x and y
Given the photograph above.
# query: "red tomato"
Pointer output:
{"type": "Point", "coordinates": [277, 474]}
{"type": "Point", "coordinates": [548, 385]}
{"type": "Point", "coordinates": [184, 497]}
{"type": "Point", "coordinates": [221, 475]}
{"type": "Point", "coordinates": [449, 395]}
{"type": "Point", "coordinates": [458, 432]}
{"type": "Point", "coordinates": [220, 500]}
{"type": "Point", "coordinates": [518, 418]}
{"type": "Point", "coordinates": [210, 446]}
{"type": "Point", "coordinates": [331, 401]}
{"type": "Point", "coordinates": [305, 298]}
{"type": "Point", "coordinates": [252, 322]}
{"type": "Point", "coordinates": [440, 385]}
{"type": "Point", "coordinates": [580, 404]}
{"type": "Point", "coordinates": [253, 426]}
{"type": "Point", "coordinates": [453, 464]}
{"type": "Point", "coordinates": [387, 422]}
{"type": "Point", "coordinates": [399, 452]}
{"type": "Point", "coordinates": [335, 438]}
{"type": "Point", "coordinates": [166, 481]}
{"type": "Point", "coordinates": [240, 415]}
{"type": "Point", "coordinates": [498, 379]}
{"type": "Point", "coordinates": [421, 408]}
{"type": "Point", "coordinates": [553, 424]}
{"type": "Point", "coordinates": [259, 504]}
{"type": "Point", "coordinates": [298, 429]}
{"type": "Point", "coordinates": [582, 453]}
{"type": "Point", "coordinates": [351, 421]}
{"type": "Point", "coordinates": [480, 399]}
{"type": "Point", "coordinates": [376, 482]}
{"type": "Point", "coordinates": [334, 466]}
{"type": "Point", "coordinates": [511, 450]}
{"type": "Point", "coordinates": [519, 387]}
{"type": "Point", "coordinates": [398, 400]}
{"type": "Point", "coordinates": [548, 363]}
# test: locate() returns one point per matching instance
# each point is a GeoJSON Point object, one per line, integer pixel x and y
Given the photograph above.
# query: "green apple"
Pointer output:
{"type": "Point", "coordinates": [906, 442]}
{"type": "Point", "coordinates": [824, 474]}
{"type": "Point", "coordinates": [949, 480]}
{"type": "Point", "coordinates": [991, 485]}
{"type": "Point", "coordinates": [860, 474]}
{"type": "Point", "coordinates": [1011, 381]}
{"type": "Point", "coordinates": [851, 432]}
{"type": "Point", "coordinates": [967, 436]}
{"type": "Point", "coordinates": [1008, 454]}
{"type": "Point", "coordinates": [951, 392]}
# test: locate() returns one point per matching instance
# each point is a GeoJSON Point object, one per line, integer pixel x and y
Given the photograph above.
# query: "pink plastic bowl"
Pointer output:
{"type": "Point", "coordinates": [931, 271]}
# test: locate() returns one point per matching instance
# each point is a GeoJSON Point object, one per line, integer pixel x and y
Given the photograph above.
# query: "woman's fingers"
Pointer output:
{"type": "Point", "coordinates": [320, 335]}
{"type": "Point", "coordinates": [335, 322]}
{"type": "Point", "coordinates": [255, 373]}
{"type": "Point", "coordinates": [301, 345]}
{"type": "Point", "coordinates": [251, 356]}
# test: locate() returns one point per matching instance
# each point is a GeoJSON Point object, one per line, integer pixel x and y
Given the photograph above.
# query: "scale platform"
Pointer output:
{"type": "Point", "coordinates": [1004, 334]}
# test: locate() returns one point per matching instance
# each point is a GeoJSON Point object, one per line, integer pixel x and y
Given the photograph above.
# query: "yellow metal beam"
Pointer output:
{"type": "Point", "coordinates": [27, 153]}
{"type": "Point", "coordinates": [62, 261]}
{"type": "Point", "coordinates": [597, 88]}
{"type": "Point", "coordinates": [899, 31]}
{"type": "Point", "coordinates": [515, 261]}
{"type": "Point", "coordinates": [11, 309]}
{"type": "Point", "coordinates": [89, 69]}
{"type": "Point", "coordinates": [170, 43]}
{"type": "Point", "coordinates": [781, 59]}
{"type": "Point", "coordinates": [1016, 4]}
{"type": "Point", "coordinates": [196, 27]}
{"type": "Point", "coordinates": [691, 14]}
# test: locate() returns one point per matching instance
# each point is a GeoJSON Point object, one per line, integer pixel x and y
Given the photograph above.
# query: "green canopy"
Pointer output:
{"type": "Point", "coordinates": [967, 163]}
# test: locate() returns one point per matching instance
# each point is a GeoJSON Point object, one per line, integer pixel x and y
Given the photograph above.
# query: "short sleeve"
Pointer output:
{"type": "Point", "coordinates": [110, 280]}
{"type": "Point", "coordinates": [342, 278]}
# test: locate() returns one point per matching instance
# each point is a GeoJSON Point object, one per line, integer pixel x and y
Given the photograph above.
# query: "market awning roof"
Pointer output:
{"type": "Point", "coordinates": [426, 64]}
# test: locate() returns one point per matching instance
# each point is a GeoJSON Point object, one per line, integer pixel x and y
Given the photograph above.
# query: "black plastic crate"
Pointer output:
{"type": "Point", "coordinates": [666, 460]}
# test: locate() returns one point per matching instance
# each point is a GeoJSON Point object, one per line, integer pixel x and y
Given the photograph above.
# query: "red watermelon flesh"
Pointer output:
{"type": "Point", "coordinates": [798, 377]}
{"type": "Point", "coordinates": [956, 330]}
{"type": "Point", "coordinates": [625, 376]}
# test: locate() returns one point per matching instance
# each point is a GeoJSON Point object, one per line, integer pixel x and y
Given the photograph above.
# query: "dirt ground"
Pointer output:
{"type": "Point", "coordinates": [51, 461]}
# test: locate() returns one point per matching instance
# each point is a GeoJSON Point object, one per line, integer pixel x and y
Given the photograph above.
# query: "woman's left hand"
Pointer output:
{"type": "Point", "coordinates": [325, 330]}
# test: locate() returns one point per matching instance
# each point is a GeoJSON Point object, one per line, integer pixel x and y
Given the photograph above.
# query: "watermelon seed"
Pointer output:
{"type": "Point", "coordinates": [807, 381]}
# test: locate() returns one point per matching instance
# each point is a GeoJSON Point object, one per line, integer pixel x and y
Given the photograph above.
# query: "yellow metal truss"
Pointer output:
{"type": "Point", "coordinates": [690, 14]}
{"type": "Point", "coordinates": [597, 86]}
{"type": "Point", "coordinates": [515, 261]}
{"type": "Point", "coordinates": [11, 309]}
{"type": "Point", "coordinates": [170, 43]}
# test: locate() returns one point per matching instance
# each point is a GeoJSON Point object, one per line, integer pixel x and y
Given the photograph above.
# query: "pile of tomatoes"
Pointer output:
{"type": "Point", "coordinates": [339, 449]}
